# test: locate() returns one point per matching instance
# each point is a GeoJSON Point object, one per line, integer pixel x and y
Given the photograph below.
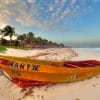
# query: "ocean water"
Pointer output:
{"type": "Point", "coordinates": [95, 51]}
{"type": "Point", "coordinates": [83, 45]}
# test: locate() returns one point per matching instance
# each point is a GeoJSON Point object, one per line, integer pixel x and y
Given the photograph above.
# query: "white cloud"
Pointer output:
{"type": "Point", "coordinates": [46, 14]}
{"type": "Point", "coordinates": [73, 1]}
{"type": "Point", "coordinates": [2, 24]}
{"type": "Point", "coordinates": [51, 8]}
{"type": "Point", "coordinates": [8, 38]}
{"type": "Point", "coordinates": [26, 21]}
{"type": "Point", "coordinates": [18, 10]}
{"type": "Point", "coordinates": [66, 11]}
{"type": "Point", "coordinates": [56, 1]}
{"type": "Point", "coordinates": [31, 1]}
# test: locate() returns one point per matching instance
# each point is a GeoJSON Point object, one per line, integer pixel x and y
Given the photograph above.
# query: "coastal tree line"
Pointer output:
{"type": "Point", "coordinates": [25, 40]}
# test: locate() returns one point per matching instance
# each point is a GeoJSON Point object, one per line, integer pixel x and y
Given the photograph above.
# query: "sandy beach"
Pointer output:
{"type": "Point", "coordinates": [52, 54]}
{"type": "Point", "coordinates": [88, 89]}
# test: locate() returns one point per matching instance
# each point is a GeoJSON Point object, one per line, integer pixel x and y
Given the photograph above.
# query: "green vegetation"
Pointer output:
{"type": "Point", "coordinates": [4, 48]}
{"type": "Point", "coordinates": [8, 31]}
{"type": "Point", "coordinates": [28, 40]}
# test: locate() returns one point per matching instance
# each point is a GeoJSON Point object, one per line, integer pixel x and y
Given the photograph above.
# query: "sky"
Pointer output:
{"type": "Point", "coordinates": [72, 22]}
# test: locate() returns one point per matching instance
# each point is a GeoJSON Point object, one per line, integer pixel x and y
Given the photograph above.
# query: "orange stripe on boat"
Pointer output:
{"type": "Point", "coordinates": [47, 71]}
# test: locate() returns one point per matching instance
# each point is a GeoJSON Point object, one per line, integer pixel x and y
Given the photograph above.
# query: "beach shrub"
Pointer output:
{"type": "Point", "coordinates": [2, 49]}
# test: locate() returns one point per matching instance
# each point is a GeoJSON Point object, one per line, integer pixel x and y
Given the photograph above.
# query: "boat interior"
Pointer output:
{"type": "Point", "coordinates": [86, 63]}
{"type": "Point", "coordinates": [68, 64]}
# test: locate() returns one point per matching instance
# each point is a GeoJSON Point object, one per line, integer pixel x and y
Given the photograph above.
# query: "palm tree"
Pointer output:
{"type": "Point", "coordinates": [8, 31]}
{"type": "Point", "coordinates": [38, 41]}
{"type": "Point", "coordinates": [22, 37]}
{"type": "Point", "coordinates": [30, 39]}
{"type": "Point", "coordinates": [30, 34]}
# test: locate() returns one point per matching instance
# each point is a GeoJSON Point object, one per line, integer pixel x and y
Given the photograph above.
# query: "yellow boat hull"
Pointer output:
{"type": "Point", "coordinates": [45, 71]}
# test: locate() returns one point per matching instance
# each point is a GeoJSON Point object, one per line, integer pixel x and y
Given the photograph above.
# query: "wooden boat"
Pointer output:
{"type": "Point", "coordinates": [28, 72]}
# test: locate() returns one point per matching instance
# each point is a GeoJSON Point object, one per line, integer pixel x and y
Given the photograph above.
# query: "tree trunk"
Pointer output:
{"type": "Point", "coordinates": [10, 40]}
{"type": "Point", "coordinates": [0, 42]}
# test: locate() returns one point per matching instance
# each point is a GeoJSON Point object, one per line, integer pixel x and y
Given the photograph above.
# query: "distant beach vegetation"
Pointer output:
{"type": "Point", "coordinates": [27, 40]}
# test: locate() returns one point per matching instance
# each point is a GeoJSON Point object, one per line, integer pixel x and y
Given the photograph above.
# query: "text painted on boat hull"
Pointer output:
{"type": "Point", "coordinates": [24, 66]}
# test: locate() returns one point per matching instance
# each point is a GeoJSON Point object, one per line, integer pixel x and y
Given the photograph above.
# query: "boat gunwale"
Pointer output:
{"type": "Point", "coordinates": [17, 59]}
{"type": "Point", "coordinates": [35, 61]}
